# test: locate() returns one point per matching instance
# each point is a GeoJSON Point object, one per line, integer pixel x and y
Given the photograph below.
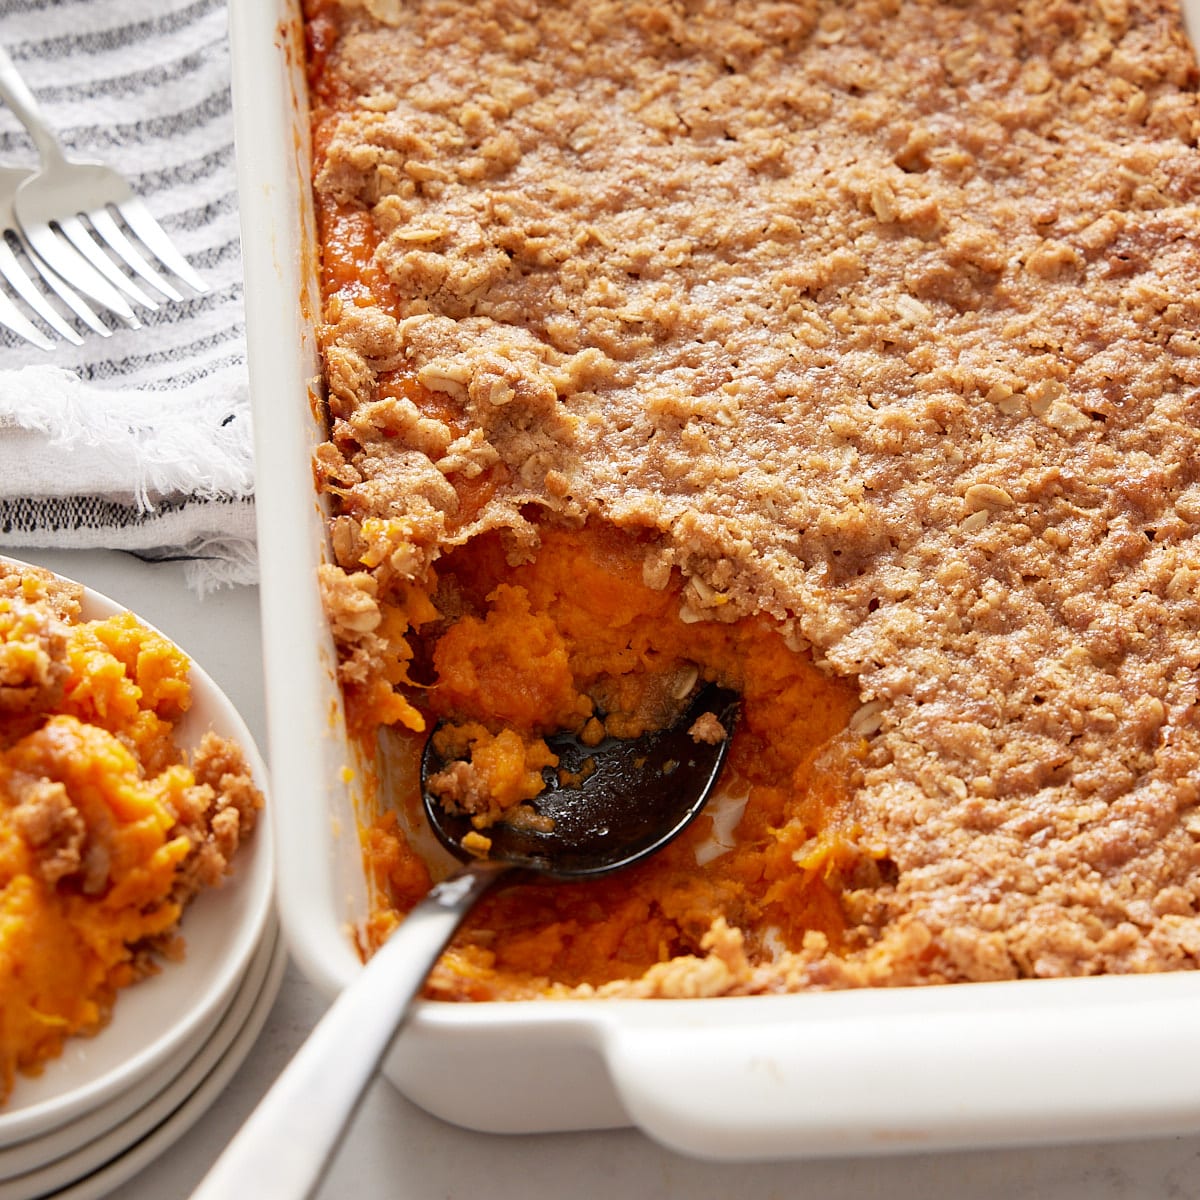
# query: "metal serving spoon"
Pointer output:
{"type": "Point", "coordinates": [631, 798]}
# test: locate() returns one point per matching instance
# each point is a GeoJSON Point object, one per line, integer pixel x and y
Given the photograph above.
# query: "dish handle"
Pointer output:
{"type": "Point", "coordinates": [922, 1079]}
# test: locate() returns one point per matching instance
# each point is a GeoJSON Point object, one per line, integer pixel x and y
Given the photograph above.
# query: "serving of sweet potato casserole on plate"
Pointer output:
{"type": "Point", "coordinates": [846, 354]}
{"type": "Point", "coordinates": [109, 825]}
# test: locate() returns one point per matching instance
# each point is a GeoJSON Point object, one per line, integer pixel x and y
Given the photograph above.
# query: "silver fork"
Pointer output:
{"type": "Point", "coordinates": [13, 272]}
{"type": "Point", "coordinates": [50, 204]}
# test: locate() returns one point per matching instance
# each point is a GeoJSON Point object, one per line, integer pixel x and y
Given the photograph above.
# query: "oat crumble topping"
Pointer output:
{"type": "Point", "coordinates": [883, 317]}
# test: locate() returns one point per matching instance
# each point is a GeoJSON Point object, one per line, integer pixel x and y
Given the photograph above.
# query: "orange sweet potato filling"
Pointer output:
{"type": "Point", "coordinates": [541, 646]}
{"type": "Point", "coordinates": [63, 952]}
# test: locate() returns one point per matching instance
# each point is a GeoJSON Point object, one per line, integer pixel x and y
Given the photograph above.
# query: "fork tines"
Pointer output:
{"type": "Point", "coordinates": [49, 206]}
{"type": "Point", "coordinates": [107, 234]}
{"type": "Point", "coordinates": [89, 253]}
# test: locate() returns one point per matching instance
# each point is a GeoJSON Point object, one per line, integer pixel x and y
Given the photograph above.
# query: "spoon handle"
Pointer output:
{"type": "Point", "coordinates": [288, 1141]}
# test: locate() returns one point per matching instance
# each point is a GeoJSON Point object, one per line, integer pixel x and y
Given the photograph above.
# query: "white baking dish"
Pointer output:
{"type": "Point", "coordinates": [836, 1073]}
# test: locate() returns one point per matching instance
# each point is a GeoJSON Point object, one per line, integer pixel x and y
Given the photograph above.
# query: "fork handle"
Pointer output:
{"type": "Point", "coordinates": [16, 94]}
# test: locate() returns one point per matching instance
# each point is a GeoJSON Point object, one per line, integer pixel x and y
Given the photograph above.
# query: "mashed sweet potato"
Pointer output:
{"type": "Point", "coordinates": [516, 652]}
{"type": "Point", "coordinates": [106, 830]}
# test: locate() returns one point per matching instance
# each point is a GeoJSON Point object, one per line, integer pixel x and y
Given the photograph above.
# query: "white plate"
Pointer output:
{"type": "Point", "coordinates": [134, 1107]}
{"type": "Point", "coordinates": [105, 1164]}
{"type": "Point", "coordinates": [160, 1017]}
{"type": "Point", "coordinates": [33, 1152]}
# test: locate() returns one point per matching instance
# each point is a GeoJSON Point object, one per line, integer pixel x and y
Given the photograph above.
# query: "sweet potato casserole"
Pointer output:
{"type": "Point", "coordinates": [845, 353]}
{"type": "Point", "coordinates": [106, 831]}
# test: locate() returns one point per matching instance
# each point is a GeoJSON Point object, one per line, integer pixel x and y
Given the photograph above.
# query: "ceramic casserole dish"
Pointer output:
{"type": "Point", "coordinates": [775, 1076]}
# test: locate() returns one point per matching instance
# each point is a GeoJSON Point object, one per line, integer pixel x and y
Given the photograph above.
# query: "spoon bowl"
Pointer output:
{"type": "Point", "coordinates": [625, 800]}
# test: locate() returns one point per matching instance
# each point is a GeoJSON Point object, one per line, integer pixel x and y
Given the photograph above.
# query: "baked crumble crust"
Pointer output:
{"type": "Point", "coordinates": [882, 317]}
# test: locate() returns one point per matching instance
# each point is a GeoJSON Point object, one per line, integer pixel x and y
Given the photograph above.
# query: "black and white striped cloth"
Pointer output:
{"type": "Point", "coordinates": [142, 440]}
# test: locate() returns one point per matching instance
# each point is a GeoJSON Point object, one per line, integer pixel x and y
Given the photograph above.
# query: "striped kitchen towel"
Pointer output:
{"type": "Point", "coordinates": [141, 440]}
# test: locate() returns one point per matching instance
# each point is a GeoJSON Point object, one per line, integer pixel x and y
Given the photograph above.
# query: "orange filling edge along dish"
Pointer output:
{"type": "Point", "coordinates": [970, 508]}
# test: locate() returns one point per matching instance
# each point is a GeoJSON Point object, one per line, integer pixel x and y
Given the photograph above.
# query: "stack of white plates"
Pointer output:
{"type": "Point", "coordinates": [111, 1103]}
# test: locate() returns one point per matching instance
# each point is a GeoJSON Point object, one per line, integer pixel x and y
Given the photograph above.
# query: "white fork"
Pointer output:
{"type": "Point", "coordinates": [13, 272]}
{"type": "Point", "coordinates": [49, 206]}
